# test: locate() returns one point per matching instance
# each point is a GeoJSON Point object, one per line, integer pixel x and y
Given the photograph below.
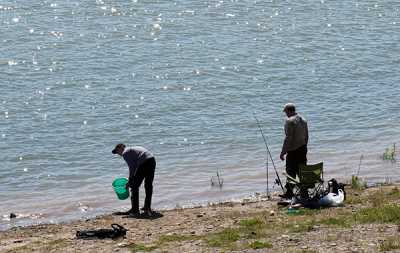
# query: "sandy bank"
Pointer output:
{"type": "Point", "coordinates": [259, 226]}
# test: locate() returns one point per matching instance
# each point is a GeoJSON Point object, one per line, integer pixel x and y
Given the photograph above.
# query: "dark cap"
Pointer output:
{"type": "Point", "coordinates": [118, 146]}
{"type": "Point", "coordinates": [289, 107]}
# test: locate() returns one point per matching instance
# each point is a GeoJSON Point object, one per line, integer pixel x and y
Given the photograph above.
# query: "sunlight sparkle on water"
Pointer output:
{"type": "Point", "coordinates": [157, 26]}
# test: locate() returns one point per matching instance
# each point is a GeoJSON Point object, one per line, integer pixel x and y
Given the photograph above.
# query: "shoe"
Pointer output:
{"type": "Point", "coordinates": [147, 212]}
{"type": "Point", "coordinates": [134, 215]}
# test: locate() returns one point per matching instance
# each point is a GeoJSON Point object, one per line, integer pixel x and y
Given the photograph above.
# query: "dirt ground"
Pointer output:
{"type": "Point", "coordinates": [258, 225]}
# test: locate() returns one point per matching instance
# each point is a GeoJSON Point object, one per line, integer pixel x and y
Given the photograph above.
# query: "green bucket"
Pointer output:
{"type": "Point", "coordinates": [119, 186]}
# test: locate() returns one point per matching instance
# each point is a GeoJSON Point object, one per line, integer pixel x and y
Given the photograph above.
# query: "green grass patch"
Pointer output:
{"type": "Point", "coordinates": [260, 245]}
{"type": "Point", "coordinates": [310, 212]}
{"type": "Point", "coordinates": [353, 199]}
{"type": "Point", "coordinates": [336, 222]}
{"type": "Point", "coordinates": [39, 246]}
{"type": "Point", "coordinates": [224, 239]}
{"type": "Point", "coordinates": [378, 198]}
{"type": "Point", "coordinates": [391, 243]}
{"type": "Point", "coordinates": [141, 248]}
{"type": "Point", "coordinates": [395, 192]}
{"type": "Point", "coordinates": [176, 238]}
{"type": "Point", "coordinates": [251, 223]}
{"type": "Point", "coordinates": [301, 227]}
{"type": "Point", "coordinates": [252, 228]}
{"type": "Point", "coordinates": [382, 214]}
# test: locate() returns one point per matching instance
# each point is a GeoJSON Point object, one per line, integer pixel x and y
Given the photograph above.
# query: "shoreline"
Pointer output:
{"type": "Point", "coordinates": [257, 225]}
{"type": "Point", "coordinates": [257, 196]}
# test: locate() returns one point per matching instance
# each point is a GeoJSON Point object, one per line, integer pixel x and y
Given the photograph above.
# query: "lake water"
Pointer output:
{"type": "Point", "coordinates": [183, 79]}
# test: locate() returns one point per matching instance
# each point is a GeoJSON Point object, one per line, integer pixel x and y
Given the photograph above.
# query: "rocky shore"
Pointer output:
{"type": "Point", "coordinates": [368, 222]}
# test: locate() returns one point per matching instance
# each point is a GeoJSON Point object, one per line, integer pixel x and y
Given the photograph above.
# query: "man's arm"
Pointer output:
{"type": "Point", "coordinates": [306, 132]}
{"type": "Point", "coordinates": [132, 171]}
{"type": "Point", "coordinates": [288, 139]}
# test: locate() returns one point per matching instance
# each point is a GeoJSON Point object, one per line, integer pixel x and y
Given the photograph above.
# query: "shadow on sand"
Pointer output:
{"type": "Point", "coordinates": [143, 216]}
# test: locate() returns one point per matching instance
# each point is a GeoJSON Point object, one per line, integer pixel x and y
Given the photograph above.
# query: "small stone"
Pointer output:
{"type": "Point", "coordinates": [122, 244]}
{"type": "Point", "coordinates": [13, 215]}
{"type": "Point", "coordinates": [149, 234]}
{"type": "Point", "coordinates": [332, 244]}
{"type": "Point", "coordinates": [18, 241]}
{"type": "Point", "coordinates": [199, 215]}
{"type": "Point", "coordinates": [271, 213]}
{"type": "Point", "coordinates": [304, 247]}
{"type": "Point", "coordinates": [193, 232]}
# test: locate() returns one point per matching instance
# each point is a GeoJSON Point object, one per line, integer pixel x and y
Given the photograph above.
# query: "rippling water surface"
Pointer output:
{"type": "Point", "coordinates": [183, 79]}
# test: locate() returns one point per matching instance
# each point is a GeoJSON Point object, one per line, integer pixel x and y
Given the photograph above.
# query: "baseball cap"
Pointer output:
{"type": "Point", "coordinates": [118, 146]}
{"type": "Point", "coordinates": [290, 107]}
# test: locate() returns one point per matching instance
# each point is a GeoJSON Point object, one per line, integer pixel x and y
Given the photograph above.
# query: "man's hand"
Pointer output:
{"type": "Point", "coordinates": [282, 156]}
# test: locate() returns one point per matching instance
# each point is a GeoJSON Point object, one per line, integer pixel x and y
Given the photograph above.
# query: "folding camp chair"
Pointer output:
{"type": "Point", "coordinates": [309, 184]}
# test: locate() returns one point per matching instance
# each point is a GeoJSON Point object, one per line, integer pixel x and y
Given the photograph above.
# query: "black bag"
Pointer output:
{"type": "Point", "coordinates": [115, 232]}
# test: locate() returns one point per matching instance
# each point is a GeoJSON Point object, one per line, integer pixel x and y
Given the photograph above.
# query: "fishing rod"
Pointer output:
{"type": "Point", "coordinates": [278, 180]}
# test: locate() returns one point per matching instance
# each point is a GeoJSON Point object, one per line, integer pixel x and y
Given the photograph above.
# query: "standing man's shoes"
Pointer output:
{"type": "Point", "coordinates": [134, 215]}
{"type": "Point", "coordinates": [148, 213]}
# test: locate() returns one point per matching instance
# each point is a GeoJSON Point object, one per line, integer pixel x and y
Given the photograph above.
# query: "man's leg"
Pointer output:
{"type": "Point", "coordinates": [301, 158]}
{"type": "Point", "coordinates": [148, 183]}
{"type": "Point", "coordinates": [137, 181]}
{"type": "Point", "coordinates": [291, 170]}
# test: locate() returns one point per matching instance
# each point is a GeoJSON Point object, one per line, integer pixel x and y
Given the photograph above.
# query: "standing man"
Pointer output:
{"type": "Point", "coordinates": [141, 165]}
{"type": "Point", "coordinates": [294, 145]}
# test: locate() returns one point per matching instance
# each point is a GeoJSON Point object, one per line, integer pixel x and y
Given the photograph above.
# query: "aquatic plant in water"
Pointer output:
{"type": "Point", "coordinates": [219, 181]}
{"type": "Point", "coordinates": [357, 183]}
{"type": "Point", "coordinates": [390, 154]}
